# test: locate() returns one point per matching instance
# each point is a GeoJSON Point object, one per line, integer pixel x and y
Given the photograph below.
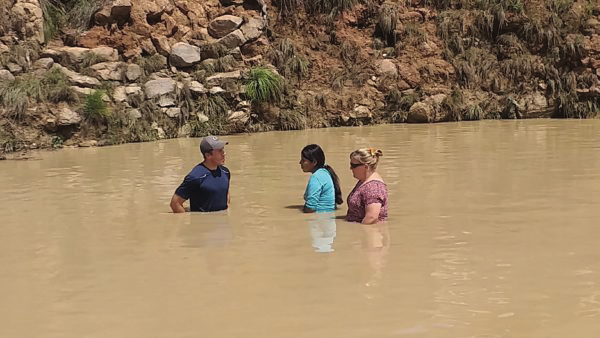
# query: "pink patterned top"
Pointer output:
{"type": "Point", "coordinates": [365, 194]}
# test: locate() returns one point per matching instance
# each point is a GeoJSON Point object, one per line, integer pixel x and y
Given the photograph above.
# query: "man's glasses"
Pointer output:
{"type": "Point", "coordinates": [355, 165]}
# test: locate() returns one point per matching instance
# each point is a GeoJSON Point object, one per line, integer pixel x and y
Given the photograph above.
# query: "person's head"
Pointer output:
{"type": "Point", "coordinates": [312, 158]}
{"type": "Point", "coordinates": [213, 150]}
{"type": "Point", "coordinates": [363, 162]}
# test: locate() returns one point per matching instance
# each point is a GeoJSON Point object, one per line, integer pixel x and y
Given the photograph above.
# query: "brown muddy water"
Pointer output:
{"type": "Point", "coordinates": [493, 231]}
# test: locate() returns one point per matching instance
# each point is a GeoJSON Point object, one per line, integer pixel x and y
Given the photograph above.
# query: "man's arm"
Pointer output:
{"type": "Point", "coordinates": [177, 204]}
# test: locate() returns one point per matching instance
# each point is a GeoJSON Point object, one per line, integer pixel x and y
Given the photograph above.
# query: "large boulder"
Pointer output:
{"type": "Point", "coordinates": [233, 39]}
{"type": "Point", "coordinates": [420, 112]}
{"type": "Point", "coordinates": [184, 55]}
{"type": "Point", "coordinates": [224, 25]}
{"type": "Point", "coordinates": [158, 87]}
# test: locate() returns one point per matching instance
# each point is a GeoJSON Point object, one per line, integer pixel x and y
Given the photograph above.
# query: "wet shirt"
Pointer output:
{"type": "Point", "coordinates": [320, 193]}
{"type": "Point", "coordinates": [206, 189]}
{"type": "Point", "coordinates": [365, 194]}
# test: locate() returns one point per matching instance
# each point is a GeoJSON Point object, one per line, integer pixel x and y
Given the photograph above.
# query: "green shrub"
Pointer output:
{"type": "Point", "coordinates": [58, 88]}
{"type": "Point", "coordinates": [95, 108]}
{"type": "Point", "coordinates": [331, 7]}
{"type": "Point", "coordinates": [54, 17]}
{"type": "Point", "coordinates": [151, 64]}
{"type": "Point", "coordinates": [81, 12]}
{"type": "Point", "coordinates": [292, 120]}
{"type": "Point", "coordinates": [386, 23]}
{"type": "Point", "coordinates": [289, 62]}
{"type": "Point", "coordinates": [264, 86]}
{"type": "Point", "coordinates": [16, 95]}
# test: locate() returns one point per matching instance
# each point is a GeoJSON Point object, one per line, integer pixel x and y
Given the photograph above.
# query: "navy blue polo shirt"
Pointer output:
{"type": "Point", "coordinates": [206, 189]}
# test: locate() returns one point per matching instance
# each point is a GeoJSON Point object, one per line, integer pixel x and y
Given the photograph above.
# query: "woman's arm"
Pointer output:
{"type": "Point", "coordinates": [371, 213]}
{"type": "Point", "coordinates": [312, 194]}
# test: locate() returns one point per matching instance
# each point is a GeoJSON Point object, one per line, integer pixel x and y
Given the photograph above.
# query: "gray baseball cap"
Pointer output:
{"type": "Point", "coordinates": [211, 142]}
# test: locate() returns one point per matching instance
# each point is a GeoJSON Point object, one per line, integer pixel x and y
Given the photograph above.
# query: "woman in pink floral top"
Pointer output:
{"type": "Point", "coordinates": [368, 201]}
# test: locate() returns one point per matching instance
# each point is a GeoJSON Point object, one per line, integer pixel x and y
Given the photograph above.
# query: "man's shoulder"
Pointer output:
{"type": "Point", "coordinates": [225, 169]}
{"type": "Point", "coordinates": [199, 171]}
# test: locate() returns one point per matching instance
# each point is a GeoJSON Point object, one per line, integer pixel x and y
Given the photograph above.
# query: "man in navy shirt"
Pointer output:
{"type": "Point", "coordinates": [207, 185]}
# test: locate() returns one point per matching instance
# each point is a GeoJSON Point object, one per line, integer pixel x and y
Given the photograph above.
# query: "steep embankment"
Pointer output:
{"type": "Point", "coordinates": [91, 73]}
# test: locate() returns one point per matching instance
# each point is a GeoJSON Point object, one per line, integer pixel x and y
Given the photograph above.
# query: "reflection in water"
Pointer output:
{"type": "Point", "coordinates": [376, 243]}
{"type": "Point", "coordinates": [207, 230]}
{"type": "Point", "coordinates": [322, 229]}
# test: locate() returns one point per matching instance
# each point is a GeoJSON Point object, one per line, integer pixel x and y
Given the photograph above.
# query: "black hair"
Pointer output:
{"type": "Point", "coordinates": [314, 153]}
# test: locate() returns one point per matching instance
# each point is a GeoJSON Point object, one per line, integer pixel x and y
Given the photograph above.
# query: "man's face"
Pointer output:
{"type": "Point", "coordinates": [217, 156]}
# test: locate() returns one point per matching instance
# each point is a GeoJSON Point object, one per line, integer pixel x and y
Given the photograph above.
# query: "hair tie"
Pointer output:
{"type": "Point", "coordinates": [373, 151]}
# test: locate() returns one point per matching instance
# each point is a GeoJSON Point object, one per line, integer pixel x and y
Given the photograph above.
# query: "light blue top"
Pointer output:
{"type": "Point", "coordinates": [320, 194]}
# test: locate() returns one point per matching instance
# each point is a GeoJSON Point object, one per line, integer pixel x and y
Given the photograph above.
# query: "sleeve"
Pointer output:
{"type": "Point", "coordinates": [374, 193]}
{"type": "Point", "coordinates": [312, 193]}
{"type": "Point", "coordinates": [187, 186]}
{"type": "Point", "coordinates": [227, 172]}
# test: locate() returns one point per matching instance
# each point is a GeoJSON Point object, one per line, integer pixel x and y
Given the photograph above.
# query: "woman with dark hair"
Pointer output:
{"type": "Point", "coordinates": [323, 190]}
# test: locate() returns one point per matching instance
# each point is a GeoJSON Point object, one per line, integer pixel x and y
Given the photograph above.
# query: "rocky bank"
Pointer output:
{"type": "Point", "coordinates": [96, 73]}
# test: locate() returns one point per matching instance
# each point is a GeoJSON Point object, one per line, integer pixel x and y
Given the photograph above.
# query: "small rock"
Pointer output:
{"type": "Point", "coordinates": [108, 71]}
{"type": "Point", "coordinates": [133, 90]}
{"type": "Point", "coordinates": [216, 90]}
{"type": "Point", "coordinates": [90, 143]}
{"type": "Point", "coordinates": [78, 79]}
{"type": "Point", "coordinates": [185, 130]}
{"type": "Point", "coordinates": [253, 29]}
{"type": "Point", "coordinates": [184, 55]}
{"type": "Point", "coordinates": [420, 112]}
{"type": "Point", "coordinates": [120, 94]}
{"type": "Point", "coordinates": [233, 39]}
{"type": "Point", "coordinates": [134, 114]}
{"type": "Point", "coordinates": [361, 112]}
{"type": "Point", "coordinates": [218, 78]}
{"type": "Point", "coordinates": [173, 112]}
{"type": "Point", "coordinates": [159, 87]}
{"type": "Point", "coordinates": [67, 117]}
{"type": "Point", "coordinates": [236, 53]}
{"type": "Point", "coordinates": [14, 68]}
{"type": "Point", "coordinates": [166, 101]}
{"type": "Point", "coordinates": [224, 25]}
{"type": "Point", "coordinates": [239, 116]}
{"type": "Point", "coordinates": [202, 118]}
{"type": "Point", "coordinates": [6, 76]}
{"type": "Point", "coordinates": [197, 88]}
{"type": "Point", "coordinates": [161, 43]}
{"type": "Point", "coordinates": [43, 63]}
{"type": "Point", "coordinates": [133, 72]}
